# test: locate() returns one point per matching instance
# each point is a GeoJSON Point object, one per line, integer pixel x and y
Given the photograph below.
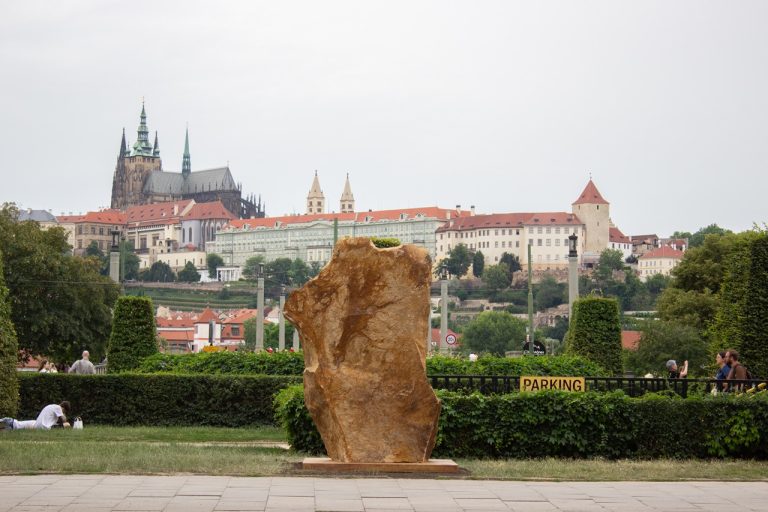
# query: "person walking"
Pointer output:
{"type": "Point", "coordinates": [738, 370]}
{"type": "Point", "coordinates": [83, 366]}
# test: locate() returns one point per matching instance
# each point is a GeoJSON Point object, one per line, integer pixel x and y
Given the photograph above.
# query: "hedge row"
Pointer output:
{"type": "Point", "coordinates": [560, 424]}
{"type": "Point", "coordinates": [130, 399]}
{"type": "Point", "coordinates": [289, 363]}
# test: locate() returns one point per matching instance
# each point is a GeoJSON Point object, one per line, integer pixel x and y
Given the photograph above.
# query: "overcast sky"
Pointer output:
{"type": "Point", "coordinates": [504, 105]}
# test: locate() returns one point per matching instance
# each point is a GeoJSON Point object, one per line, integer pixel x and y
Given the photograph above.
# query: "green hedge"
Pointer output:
{"type": "Point", "coordinates": [130, 399]}
{"type": "Point", "coordinates": [595, 332]}
{"type": "Point", "coordinates": [134, 335]}
{"type": "Point", "coordinates": [582, 425]}
{"type": "Point", "coordinates": [290, 363]}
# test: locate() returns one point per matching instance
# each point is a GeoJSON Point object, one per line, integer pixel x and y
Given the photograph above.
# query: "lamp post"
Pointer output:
{"type": "Point", "coordinates": [281, 324]}
{"type": "Point", "coordinates": [260, 309]}
{"type": "Point", "coordinates": [530, 301]}
{"type": "Point", "coordinates": [114, 257]}
{"type": "Point", "coordinates": [443, 305]}
{"type": "Point", "coordinates": [573, 274]}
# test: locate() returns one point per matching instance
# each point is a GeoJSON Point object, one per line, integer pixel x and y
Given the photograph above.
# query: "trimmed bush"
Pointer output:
{"type": "Point", "coordinates": [383, 243]}
{"type": "Point", "coordinates": [134, 336]}
{"type": "Point", "coordinates": [558, 424]}
{"type": "Point", "coordinates": [130, 399]}
{"type": "Point", "coordinates": [595, 332]}
{"type": "Point", "coordinates": [292, 363]}
{"type": "Point", "coordinates": [9, 352]}
{"type": "Point", "coordinates": [752, 322]}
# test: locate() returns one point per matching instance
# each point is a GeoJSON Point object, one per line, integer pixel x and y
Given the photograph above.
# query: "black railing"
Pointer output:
{"type": "Point", "coordinates": [632, 386]}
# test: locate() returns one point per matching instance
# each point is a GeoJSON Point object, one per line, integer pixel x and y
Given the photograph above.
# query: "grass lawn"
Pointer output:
{"type": "Point", "coordinates": [251, 452]}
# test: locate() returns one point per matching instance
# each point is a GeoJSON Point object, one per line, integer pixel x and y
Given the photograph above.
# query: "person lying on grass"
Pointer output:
{"type": "Point", "coordinates": [52, 416]}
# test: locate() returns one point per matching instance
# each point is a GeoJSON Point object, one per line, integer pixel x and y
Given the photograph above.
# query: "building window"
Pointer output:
{"type": "Point", "coordinates": [235, 330]}
{"type": "Point", "coordinates": [101, 231]}
{"type": "Point", "coordinates": [530, 241]}
{"type": "Point", "coordinates": [549, 230]}
{"type": "Point", "coordinates": [497, 244]}
{"type": "Point", "coordinates": [530, 231]}
{"type": "Point", "coordinates": [79, 244]}
{"type": "Point", "coordinates": [557, 242]}
{"type": "Point", "coordinates": [517, 243]}
{"type": "Point", "coordinates": [557, 230]}
{"type": "Point", "coordinates": [538, 242]}
{"type": "Point", "coordinates": [539, 230]}
{"type": "Point", "coordinates": [503, 244]}
{"type": "Point", "coordinates": [93, 230]}
{"type": "Point", "coordinates": [549, 242]}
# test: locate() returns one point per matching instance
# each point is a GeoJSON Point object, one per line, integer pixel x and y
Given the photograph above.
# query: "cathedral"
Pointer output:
{"type": "Point", "coordinates": [140, 179]}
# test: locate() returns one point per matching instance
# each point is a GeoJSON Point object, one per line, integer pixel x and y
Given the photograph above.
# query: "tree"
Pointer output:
{"type": "Point", "coordinates": [494, 332]}
{"type": "Point", "coordinates": [478, 264]}
{"type": "Point", "coordinates": [752, 324]}
{"type": "Point", "coordinates": [299, 273]}
{"type": "Point", "coordinates": [9, 353]}
{"type": "Point", "coordinates": [159, 272]}
{"type": "Point", "coordinates": [189, 273]}
{"type": "Point", "coordinates": [697, 239]}
{"type": "Point", "coordinates": [279, 271]}
{"type": "Point", "coordinates": [458, 261]}
{"type": "Point", "coordinates": [557, 331]}
{"type": "Point", "coordinates": [249, 334]}
{"type": "Point", "coordinates": [549, 293]}
{"type": "Point", "coordinates": [60, 304]}
{"type": "Point", "coordinates": [251, 267]}
{"type": "Point", "coordinates": [213, 261]}
{"type": "Point", "coordinates": [496, 277]}
{"type": "Point", "coordinates": [94, 251]}
{"type": "Point", "coordinates": [610, 260]}
{"type": "Point", "coordinates": [691, 308]}
{"type": "Point", "coordinates": [131, 264]}
{"type": "Point", "coordinates": [134, 335]}
{"type": "Point", "coordinates": [512, 262]}
{"type": "Point", "coordinates": [595, 332]}
{"type": "Point", "coordinates": [663, 340]}
{"type": "Point", "coordinates": [703, 267]}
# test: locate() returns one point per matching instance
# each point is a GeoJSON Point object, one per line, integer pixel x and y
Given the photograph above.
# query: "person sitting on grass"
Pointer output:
{"type": "Point", "coordinates": [52, 416]}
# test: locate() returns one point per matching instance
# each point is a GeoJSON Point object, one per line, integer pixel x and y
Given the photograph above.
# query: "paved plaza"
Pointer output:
{"type": "Point", "coordinates": [95, 493]}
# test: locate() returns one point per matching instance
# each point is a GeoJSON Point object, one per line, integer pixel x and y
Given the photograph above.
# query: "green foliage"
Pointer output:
{"type": "Point", "coordinates": [231, 363]}
{"type": "Point", "coordinates": [130, 399]}
{"type": "Point", "coordinates": [159, 272]}
{"type": "Point", "coordinates": [558, 330]}
{"type": "Point", "coordinates": [610, 260]}
{"type": "Point", "coordinates": [576, 425]}
{"type": "Point", "coordinates": [60, 304]}
{"type": "Point", "coordinates": [496, 277]}
{"type": "Point", "coordinates": [752, 323]}
{"type": "Point", "coordinates": [664, 340]}
{"type": "Point", "coordinates": [251, 267]}
{"type": "Point", "coordinates": [134, 336]}
{"type": "Point", "coordinates": [494, 332]}
{"type": "Point", "coordinates": [692, 308]}
{"type": "Point", "coordinates": [698, 238]}
{"type": "Point", "coordinates": [512, 262]}
{"type": "Point", "coordinates": [9, 353]}
{"type": "Point", "coordinates": [213, 261]}
{"type": "Point", "coordinates": [458, 261]}
{"type": "Point", "coordinates": [549, 293]}
{"type": "Point", "coordinates": [189, 273]}
{"type": "Point", "coordinates": [478, 264]}
{"type": "Point", "coordinates": [279, 271]}
{"type": "Point", "coordinates": [300, 272]}
{"type": "Point", "coordinates": [595, 332]}
{"type": "Point", "coordinates": [383, 243]}
{"type": "Point", "coordinates": [703, 267]}
{"type": "Point", "coordinates": [562, 366]}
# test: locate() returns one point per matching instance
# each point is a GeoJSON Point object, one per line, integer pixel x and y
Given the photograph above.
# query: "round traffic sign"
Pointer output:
{"type": "Point", "coordinates": [450, 339]}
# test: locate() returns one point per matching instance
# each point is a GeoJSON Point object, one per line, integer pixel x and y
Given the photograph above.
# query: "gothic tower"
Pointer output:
{"type": "Point", "coordinates": [133, 168]}
{"type": "Point", "coordinates": [347, 199]}
{"type": "Point", "coordinates": [315, 198]}
{"type": "Point", "coordinates": [186, 163]}
{"type": "Point", "coordinates": [594, 212]}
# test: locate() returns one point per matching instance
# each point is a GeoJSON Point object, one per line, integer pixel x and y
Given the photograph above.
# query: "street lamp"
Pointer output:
{"type": "Point", "coordinates": [573, 274]}
{"type": "Point", "coordinates": [281, 321]}
{"type": "Point", "coordinates": [114, 256]}
{"type": "Point", "coordinates": [260, 308]}
{"type": "Point", "coordinates": [443, 305]}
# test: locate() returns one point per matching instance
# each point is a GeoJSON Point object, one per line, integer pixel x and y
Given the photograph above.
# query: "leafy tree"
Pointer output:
{"type": "Point", "coordinates": [558, 330]}
{"type": "Point", "coordinates": [279, 271]}
{"type": "Point", "coordinates": [299, 273]}
{"type": "Point", "coordinates": [251, 267]}
{"type": "Point", "coordinates": [134, 335]}
{"type": "Point", "coordinates": [549, 293]}
{"type": "Point", "coordinates": [478, 264]}
{"type": "Point", "coordinates": [512, 262]}
{"type": "Point", "coordinates": [94, 251]}
{"type": "Point", "coordinates": [159, 272]}
{"type": "Point", "coordinates": [691, 308]}
{"type": "Point", "coordinates": [595, 332]}
{"type": "Point", "coordinates": [494, 332]}
{"type": "Point", "coordinates": [657, 283]}
{"type": "Point", "coordinates": [496, 277]}
{"type": "Point", "coordinates": [458, 261]}
{"type": "Point", "coordinates": [697, 239]}
{"type": "Point", "coordinates": [631, 259]}
{"type": "Point", "coordinates": [752, 323]}
{"type": "Point", "coordinates": [60, 304]}
{"type": "Point", "coordinates": [9, 352]}
{"type": "Point", "coordinates": [131, 265]}
{"type": "Point", "coordinates": [663, 340]}
{"type": "Point", "coordinates": [249, 334]}
{"type": "Point", "coordinates": [703, 267]}
{"type": "Point", "coordinates": [189, 273]}
{"type": "Point", "coordinates": [610, 260]}
{"type": "Point", "coordinates": [213, 261]}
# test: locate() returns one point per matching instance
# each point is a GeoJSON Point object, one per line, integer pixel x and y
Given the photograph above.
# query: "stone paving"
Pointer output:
{"type": "Point", "coordinates": [96, 493]}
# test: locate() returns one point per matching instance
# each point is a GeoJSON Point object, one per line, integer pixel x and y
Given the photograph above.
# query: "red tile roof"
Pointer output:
{"type": "Point", "coordinates": [663, 252]}
{"type": "Point", "coordinates": [512, 220]}
{"type": "Point", "coordinates": [113, 217]}
{"type": "Point", "coordinates": [212, 210]}
{"type": "Point", "coordinates": [371, 216]}
{"type": "Point", "coordinates": [241, 316]}
{"type": "Point", "coordinates": [62, 219]}
{"type": "Point", "coordinates": [630, 339]}
{"type": "Point", "coordinates": [156, 212]}
{"type": "Point", "coordinates": [177, 335]}
{"type": "Point", "coordinates": [615, 235]}
{"type": "Point", "coordinates": [590, 195]}
{"type": "Point", "coordinates": [553, 218]}
{"type": "Point", "coordinates": [168, 323]}
{"type": "Point", "coordinates": [206, 316]}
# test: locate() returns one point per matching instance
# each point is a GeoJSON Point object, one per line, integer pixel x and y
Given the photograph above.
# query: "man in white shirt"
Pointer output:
{"type": "Point", "coordinates": [52, 415]}
{"type": "Point", "coordinates": [83, 366]}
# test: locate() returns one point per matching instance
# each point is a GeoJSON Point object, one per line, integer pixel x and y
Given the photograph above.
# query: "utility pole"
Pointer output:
{"type": "Point", "coordinates": [281, 325]}
{"type": "Point", "coordinates": [530, 301]}
{"type": "Point", "coordinates": [295, 339]}
{"type": "Point", "coordinates": [260, 309]}
{"type": "Point", "coordinates": [443, 306]}
{"type": "Point", "coordinates": [573, 274]}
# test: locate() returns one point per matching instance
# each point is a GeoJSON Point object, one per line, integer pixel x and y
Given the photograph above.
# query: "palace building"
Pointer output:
{"type": "Point", "coordinates": [139, 179]}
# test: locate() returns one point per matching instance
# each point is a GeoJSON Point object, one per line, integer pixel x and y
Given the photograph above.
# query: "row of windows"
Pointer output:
{"type": "Point", "coordinates": [547, 242]}
{"type": "Point", "coordinates": [548, 230]}
{"type": "Point", "coordinates": [482, 232]}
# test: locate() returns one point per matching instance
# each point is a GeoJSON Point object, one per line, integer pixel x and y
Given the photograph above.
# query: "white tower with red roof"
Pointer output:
{"type": "Point", "coordinates": [594, 212]}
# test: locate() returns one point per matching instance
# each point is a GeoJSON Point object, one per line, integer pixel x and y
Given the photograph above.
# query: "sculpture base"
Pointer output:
{"type": "Point", "coordinates": [431, 466]}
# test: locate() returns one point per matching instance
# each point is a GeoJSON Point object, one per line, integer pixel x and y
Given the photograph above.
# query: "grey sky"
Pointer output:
{"type": "Point", "coordinates": [504, 105]}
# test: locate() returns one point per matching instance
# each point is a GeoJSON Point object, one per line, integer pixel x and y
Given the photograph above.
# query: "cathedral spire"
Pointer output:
{"type": "Point", "coordinates": [315, 198]}
{"type": "Point", "coordinates": [142, 145]}
{"type": "Point", "coordinates": [186, 163]}
{"type": "Point", "coordinates": [123, 146]}
{"type": "Point", "coordinates": [347, 199]}
{"type": "Point", "coordinates": [156, 147]}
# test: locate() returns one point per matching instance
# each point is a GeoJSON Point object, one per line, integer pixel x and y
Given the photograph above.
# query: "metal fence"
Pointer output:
{"type": "Point", "coordinates": [101, 369]}
{"type": "Point", "coordinates": [632, 386]}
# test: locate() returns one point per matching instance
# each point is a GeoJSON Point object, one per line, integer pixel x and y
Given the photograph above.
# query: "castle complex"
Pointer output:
{"type": "Point", "coordinates": [139, 179]}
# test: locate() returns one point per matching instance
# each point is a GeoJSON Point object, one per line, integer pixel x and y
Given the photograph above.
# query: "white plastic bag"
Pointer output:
{"type": "Point", "coordinates": [78, 424]}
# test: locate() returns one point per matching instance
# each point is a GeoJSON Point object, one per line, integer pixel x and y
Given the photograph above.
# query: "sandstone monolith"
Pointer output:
{"type": "Point", "coordinates": [363, 324]}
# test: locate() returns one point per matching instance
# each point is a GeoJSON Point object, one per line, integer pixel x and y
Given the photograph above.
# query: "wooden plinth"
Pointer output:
{"type": "Point", "coordinates": [431, 466]}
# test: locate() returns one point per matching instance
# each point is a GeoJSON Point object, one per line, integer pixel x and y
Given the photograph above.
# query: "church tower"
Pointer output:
{"type": "Point", "coordinates": [315, 198]}
{"type": "Point", "coordinates": [594, 212]}
{"type": "Point", "coordinates": [347, 199]}
{"type": "Point", "coordinates": [134, 167]}
{"type": "Point", "coordinates": [186, 163]}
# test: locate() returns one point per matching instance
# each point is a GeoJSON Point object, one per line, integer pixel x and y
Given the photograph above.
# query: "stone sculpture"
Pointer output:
{"type": "Point", "coordinates": [363, 322]}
